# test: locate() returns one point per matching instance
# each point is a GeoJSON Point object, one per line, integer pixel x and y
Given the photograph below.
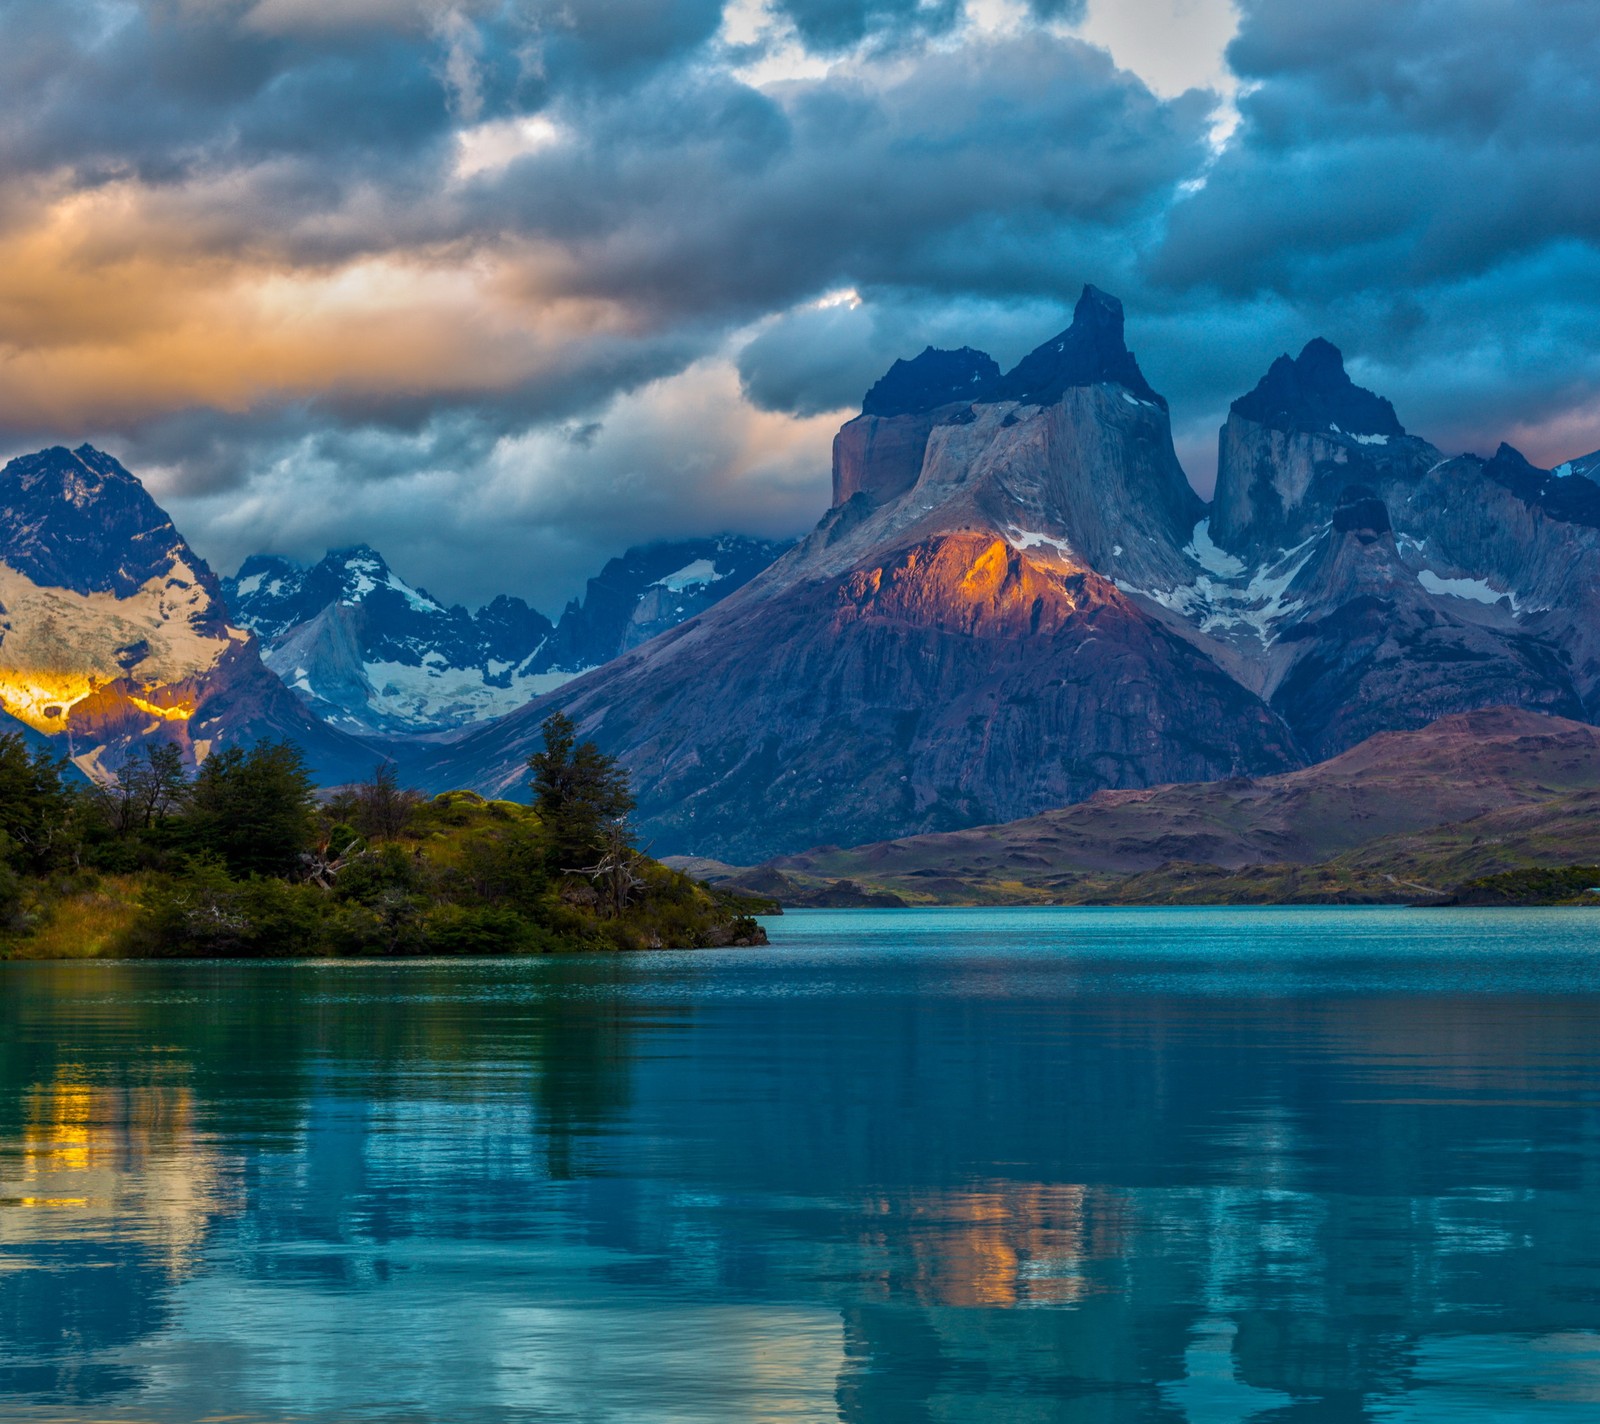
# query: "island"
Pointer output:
{"type": "Point", "coordinates": [245, 858]}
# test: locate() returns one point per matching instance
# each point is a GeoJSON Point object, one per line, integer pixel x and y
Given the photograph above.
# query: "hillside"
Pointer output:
{"type": "Point", "coordinates": [1469, 795]}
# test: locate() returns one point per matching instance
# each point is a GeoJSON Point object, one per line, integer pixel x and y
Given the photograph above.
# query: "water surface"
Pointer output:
{"type": "Point", "coordinates": [1013, 1165]}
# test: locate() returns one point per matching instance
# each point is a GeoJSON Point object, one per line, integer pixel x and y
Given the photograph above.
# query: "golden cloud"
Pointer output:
{"type": "Point", "coordinates": [112, 310]}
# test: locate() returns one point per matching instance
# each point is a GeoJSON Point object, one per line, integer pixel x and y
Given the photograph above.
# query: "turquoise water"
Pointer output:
{"type": "Point", "coordinates": [1075, 1165]}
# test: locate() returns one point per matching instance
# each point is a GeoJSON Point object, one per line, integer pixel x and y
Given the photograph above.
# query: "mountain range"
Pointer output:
{"type": "Point", "coordinates": [1015, 602]}
{"type": "Point", "coordinates": [1402, 815]}
{"type": "Point", "coordinates": [114, 632]}
{"type": "Point", "coordinates": [376, 657]}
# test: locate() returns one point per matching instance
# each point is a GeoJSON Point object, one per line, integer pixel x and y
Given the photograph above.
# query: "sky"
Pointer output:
{"type": "Point", "coordinates": [501, 287]}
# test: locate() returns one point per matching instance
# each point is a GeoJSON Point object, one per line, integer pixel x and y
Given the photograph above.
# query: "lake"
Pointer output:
{"type": "Point", "coordinates": [949, 1165]}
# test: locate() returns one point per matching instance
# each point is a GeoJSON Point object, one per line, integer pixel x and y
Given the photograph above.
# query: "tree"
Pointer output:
{"type": "Point", "coordinates": [254, 808]}
{"type": "Point", "coordinates": [381, 809]}
{"type": "Point", "coordinates": [35, 806]}
{"type": "Point", "coordinates": [150, 787]}
{"type": "Point", "coordinates": [160, 784]}
{"type": "Point", "coordinates": [616, 874]}
{"type": "Point", "coordinates": [579, 792]}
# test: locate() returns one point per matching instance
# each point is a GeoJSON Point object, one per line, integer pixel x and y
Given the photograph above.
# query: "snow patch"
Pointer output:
{"type": "Point", "coordinates": [1024, 539]}
{"type": "Point", "coordinates": [1563, 470]}
{"type": "Point", "coordinates": [55, 628]}
{"type": "Point", "coordinates": [1223, 602]}
{"type": "Point", "coordinates": [1477, 590]}
{"type": "Point", "coordinates": [1360, 439]}
{"type": "Point", "coordinates": [366, 579]}
{"type": "Point", "coordinates": [433, 695]}
{"type": "Point", "coordinates": [695, 575]}
{"type": "Point", "coordinates": [249, 585]}
{"type": "Point", "coordinates": [1212, 559]}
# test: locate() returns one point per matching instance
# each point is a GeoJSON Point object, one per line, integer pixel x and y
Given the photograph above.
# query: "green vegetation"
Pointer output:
{"type": "Point", "coordinates": [1561, 885]}
{"type": "Point", "coordinates": [246, 860]}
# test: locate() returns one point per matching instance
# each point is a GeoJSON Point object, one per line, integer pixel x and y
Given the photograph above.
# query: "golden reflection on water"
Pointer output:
{"type": "Point", "coordinates": [999, 1243]}
{"type": "Point", "coordinates": [113, 1162]}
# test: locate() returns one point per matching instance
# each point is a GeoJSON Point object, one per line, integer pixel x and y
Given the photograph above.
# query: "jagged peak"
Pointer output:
{"type": "Point", "coordinates": [77, 519]}
{"type": "Point", "coordinates": [1509, 460]}
{"type": "Point", "coordinates": [1572, 501]}
{"type": "Point", "coordinates": [1313, 391]}
{"type": "Point", "coordinates": [355, 555]}
{"type": "Point", "coordinates": [67, 468]}
{"type": "Point", "coordinates": [929, 380]}
{"type": "Point", "coordinates": [1090, 351]}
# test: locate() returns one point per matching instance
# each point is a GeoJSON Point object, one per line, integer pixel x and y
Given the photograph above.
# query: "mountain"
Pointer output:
{"type": "Point", "coordinates": [371, 654]}
{"type": "Point", "coordinates": [1358, 579]}
{"type": "Point", "coordinates": [367, 652]}
{"type": "Point", "coordinates": [650, 589]}
{"type": "Point", "coordinates": [1586, 465]}
{"type": "Point", "coordinates": [113, 632]}
{"type": "Point", "coordinates": [950, 646]}
{"type": "Point", "coordinates": [1383, 792]}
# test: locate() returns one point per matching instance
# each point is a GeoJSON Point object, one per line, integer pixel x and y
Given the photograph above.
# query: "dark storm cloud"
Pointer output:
{"type": "Point", "coordinates": [158, 90]}
{"type": "Point", "coordinates": [1416, 182]}
{"type": "Point", "coordinates": [998, 167]}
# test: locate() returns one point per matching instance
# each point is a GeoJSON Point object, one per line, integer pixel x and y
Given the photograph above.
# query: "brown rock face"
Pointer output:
{"type": "Point", "coordinates": [1395, 783]}
{"type": "Point", "coordinates": [880, 455]}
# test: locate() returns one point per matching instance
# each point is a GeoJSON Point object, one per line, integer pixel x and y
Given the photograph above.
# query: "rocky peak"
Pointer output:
{"type": "Point", "coordinates": [76, 519]}
{"type": "Point", "coordinates": [271, 594]}
{"type": "Point", "coordinates": [1586, 466]}
{"type": "Point", "coordinates": [115, 634]}
{"type": "Point", "coordinates": [930, 380]}
{"type": "Point", "coordinates": [1314, 392]}
{"type": "Point", "coordinates": [1087, 353]}
{"type": "Point", "coordinates": [1571, 499]}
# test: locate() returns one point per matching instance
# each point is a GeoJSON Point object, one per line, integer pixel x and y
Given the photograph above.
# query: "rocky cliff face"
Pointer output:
{"type": "Point", "coordinates": [1359, 580]}
{"type": "Point", "coordinates": [937, 653]}
{"type": "Point", "coordinates": [367, 652]}
{"type": "Point", "coordinates": [113, 632]}
{"type": "Point", "coordinates": [650, 589]}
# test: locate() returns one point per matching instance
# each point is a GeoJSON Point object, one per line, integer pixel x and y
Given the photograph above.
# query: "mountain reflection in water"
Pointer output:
{"type": "Point", "coordinates": [1022, 1166]}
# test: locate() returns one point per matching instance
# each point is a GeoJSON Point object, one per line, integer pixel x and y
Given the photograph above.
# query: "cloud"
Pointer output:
{"type": "Point", "coordinates": [1414, 181]}
{"type": "Point", "coordinates": [470, 511]}
{"type": "Point", "coordinates": [455, 267]}
{"type": "Point", "coordinates": [840, 24]}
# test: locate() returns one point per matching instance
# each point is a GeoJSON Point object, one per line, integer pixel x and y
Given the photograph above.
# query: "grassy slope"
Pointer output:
{"type": "Point", "coordinates": [1404, 816]}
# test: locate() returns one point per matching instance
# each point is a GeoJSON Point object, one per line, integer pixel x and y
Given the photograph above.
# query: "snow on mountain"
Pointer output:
{"type": "Point", "coordinates": [368, 652]}
{"type": "Point", "coordinates": [113, 632]}
{"type": "Point", "coordinates": [1359, 580]}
